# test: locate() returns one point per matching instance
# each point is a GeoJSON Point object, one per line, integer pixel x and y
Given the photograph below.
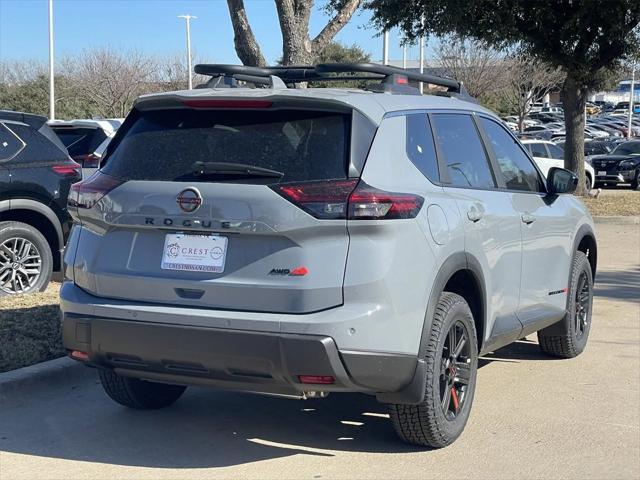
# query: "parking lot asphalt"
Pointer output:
{"type": "Point", "coordinates": [533, 417]}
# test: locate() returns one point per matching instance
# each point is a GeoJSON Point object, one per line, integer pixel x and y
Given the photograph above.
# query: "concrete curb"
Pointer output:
{"type": "Point", "coordinates": [618, 220]}
{"type": "Point", "coordinates": [61, 371]}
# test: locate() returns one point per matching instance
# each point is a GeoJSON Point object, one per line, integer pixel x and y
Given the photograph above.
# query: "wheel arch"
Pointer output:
{"type": "Point", "coordinates": [585, 242]}
{"type": "Point", "coordinates": [462, 274]}
{"type": "Point", "coordinates": [40, 217]}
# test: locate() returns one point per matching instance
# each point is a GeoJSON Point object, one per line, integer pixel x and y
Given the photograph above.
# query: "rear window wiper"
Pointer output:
{"type": "Point", "coordinates": [222, 168]}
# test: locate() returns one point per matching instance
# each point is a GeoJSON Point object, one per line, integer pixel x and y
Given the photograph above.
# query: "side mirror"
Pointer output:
{"type": "Point", "coordinates": [560, 180]}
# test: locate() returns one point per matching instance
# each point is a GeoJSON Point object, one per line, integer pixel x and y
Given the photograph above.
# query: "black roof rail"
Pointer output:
{"type": "Point", "coordinates": [393, 79]}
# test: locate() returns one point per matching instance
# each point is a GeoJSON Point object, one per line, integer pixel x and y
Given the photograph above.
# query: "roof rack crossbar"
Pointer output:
{"type": "Point", "coordinates": [324, 71]}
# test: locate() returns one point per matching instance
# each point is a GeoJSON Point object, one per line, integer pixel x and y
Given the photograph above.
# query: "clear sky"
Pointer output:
{"type": "Point", "coordinates": [151, 26]}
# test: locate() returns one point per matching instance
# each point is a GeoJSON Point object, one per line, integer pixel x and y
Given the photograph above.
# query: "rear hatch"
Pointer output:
{"type": "Point", "coordinates": [237, 208]}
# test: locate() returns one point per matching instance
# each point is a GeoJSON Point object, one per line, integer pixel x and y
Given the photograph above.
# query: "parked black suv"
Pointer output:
{"type": "Point", "coordinates": [36, 173]}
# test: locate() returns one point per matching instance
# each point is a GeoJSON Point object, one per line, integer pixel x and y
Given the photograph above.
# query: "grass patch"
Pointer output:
{"type": "Point", "coordinates": [30, 329]}
{"type": "Point", "coordinates": [614, 203]}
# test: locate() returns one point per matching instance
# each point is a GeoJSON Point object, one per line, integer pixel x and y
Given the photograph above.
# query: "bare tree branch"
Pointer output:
{"type": "Point", "coordinates": [331, 29]}
{"type": "Point", "coordinates": [478, 67]}
{"type": "Point", "coordinates": [245, 42]}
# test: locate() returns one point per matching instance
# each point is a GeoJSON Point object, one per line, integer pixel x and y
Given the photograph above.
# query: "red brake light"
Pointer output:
{"type": "Point", "coordinates": [326, 200]}
{"type": "Point", "coordinates": [68, 170]}
{"type": "Point", "coordinates": [215, 103]}
{"type": "Point", "coordinates": [317, 379]}
{"type": "Point", "coordinates": [352, 199]}
{"type": "Point", "coordinates": [87, 193]}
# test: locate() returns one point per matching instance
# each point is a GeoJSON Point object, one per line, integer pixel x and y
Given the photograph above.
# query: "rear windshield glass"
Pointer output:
{"type": "Point", "coordinates": [172, 145]}
{"type": "Point", "coordinates": [80, 141]}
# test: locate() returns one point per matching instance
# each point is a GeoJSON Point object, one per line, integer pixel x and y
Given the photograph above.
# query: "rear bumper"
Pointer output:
{"type": "Point", "coordinates": [240, 360]}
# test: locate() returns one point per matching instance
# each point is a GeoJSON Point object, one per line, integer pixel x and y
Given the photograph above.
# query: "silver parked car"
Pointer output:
{"type": "Point", "coordinates": [317, 240]}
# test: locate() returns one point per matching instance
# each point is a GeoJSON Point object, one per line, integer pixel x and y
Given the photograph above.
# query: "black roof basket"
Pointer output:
{"type": "Point", "coordinates": [392, 79]}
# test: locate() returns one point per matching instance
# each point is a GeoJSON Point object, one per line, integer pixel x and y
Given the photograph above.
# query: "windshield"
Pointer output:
{"type": "Point", "coordinates": [630, 148]}
{"type": "Point", "coordinates": [166, 145]}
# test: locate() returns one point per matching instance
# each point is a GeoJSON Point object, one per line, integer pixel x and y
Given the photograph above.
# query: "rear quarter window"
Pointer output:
{"type": "Point", "coordinates": [165, 145]}
{"type": "Point", "coordinates": [10, 143]}
{"type": "Point", "coordinates": [38, 148]}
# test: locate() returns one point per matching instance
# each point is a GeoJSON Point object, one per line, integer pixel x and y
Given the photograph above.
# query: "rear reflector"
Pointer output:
{"type": "Point", "coordinates": [68, 170]}
{"type": "Point", "coordinates": [317, 379]}
{"type": "Point", "coordinates": [89, 192]}
{"type": "Point", "coordinates": [352, 199]}
{"type": "Point", "coordinates": [214, 103]}
{"type": "Point", "coordinates": [78, 355]}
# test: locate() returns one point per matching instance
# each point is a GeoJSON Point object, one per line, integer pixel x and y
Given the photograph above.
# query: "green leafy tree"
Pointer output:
{"type": "Point", "coordinates": [585, 38]}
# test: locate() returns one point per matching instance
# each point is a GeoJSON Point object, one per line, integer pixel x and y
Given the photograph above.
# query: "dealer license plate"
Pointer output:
{"type": "Point", "coordinates": [196, 253]}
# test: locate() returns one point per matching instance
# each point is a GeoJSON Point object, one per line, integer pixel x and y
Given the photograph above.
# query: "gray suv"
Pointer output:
{"type": "Point", "coordinates": [303, 241]}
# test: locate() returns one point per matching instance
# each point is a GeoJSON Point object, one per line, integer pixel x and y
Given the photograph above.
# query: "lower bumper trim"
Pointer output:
{"type": "Point", "coordinates": [232, 359]}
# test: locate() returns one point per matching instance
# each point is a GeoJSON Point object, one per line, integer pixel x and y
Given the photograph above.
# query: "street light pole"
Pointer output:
{"type": "Point", "coordinates": [421, 40]}
{"type": "Point", "coordinates": [385, 48]}
{"type": "Point", "coordinates": [188, 19]}
{"type": "Point", "coordinates": [52, 98]}
{"type": "Point", "coordinates": [631, 99]}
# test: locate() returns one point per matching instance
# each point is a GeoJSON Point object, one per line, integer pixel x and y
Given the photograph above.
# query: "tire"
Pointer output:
{"type": "Point", "coordinates": [427, 424]}
{"type": "Point", "coordinates": [139, 394]}
{"type": "Point", "coordinates": [635, 183]}
{"type": "Point", "coordinates": [568, 338]}
{"type": "Point", "coordinates": [23, 246]}
{"type": "Point", "coordinates": [587, 183]}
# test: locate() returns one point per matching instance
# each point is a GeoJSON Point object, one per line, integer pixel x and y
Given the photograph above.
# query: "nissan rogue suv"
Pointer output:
{"type": "Point", "coordinates": [304, 241]}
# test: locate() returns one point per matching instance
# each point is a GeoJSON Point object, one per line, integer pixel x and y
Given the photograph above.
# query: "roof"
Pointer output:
{"type": "Point", "coordinates": [35, 121]}
{"type": "Point", "coordinates": [108, 125]}
{"type": "Point", "coordinates": [372, 105]}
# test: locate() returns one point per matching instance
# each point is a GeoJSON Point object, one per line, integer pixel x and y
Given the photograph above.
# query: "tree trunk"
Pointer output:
{"type": "Point", "coordinates": [574, 97]}
{"type": "Point", "coordinates": [245, 42]}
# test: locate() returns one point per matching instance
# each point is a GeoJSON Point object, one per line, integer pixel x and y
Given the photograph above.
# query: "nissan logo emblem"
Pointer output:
{"type": "Point", "coordinates": [189, 200]}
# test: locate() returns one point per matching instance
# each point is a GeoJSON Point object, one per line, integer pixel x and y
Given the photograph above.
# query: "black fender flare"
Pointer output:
{"type": "Point", "coordinates": [413, 393]}
{"type": "Point", "coordinates": [35, 206]}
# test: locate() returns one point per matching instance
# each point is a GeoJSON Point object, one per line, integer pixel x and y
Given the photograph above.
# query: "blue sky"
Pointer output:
{"type": "Point", "coordinates": [151, 26]}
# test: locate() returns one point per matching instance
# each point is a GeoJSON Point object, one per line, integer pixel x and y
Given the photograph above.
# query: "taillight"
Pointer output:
{"type": "Point", "coordinates": [87, 193]}
{"type": "Point", "coordinates": [68, 170]}
{"type": "Point", "coordinates": [88, 161]}
{"type": "Point", "coordinates": [352, 199]}
{"type": "Point", "coordinates": [326, 200]}
{"type": "Point", "coordinates": [368, 203]}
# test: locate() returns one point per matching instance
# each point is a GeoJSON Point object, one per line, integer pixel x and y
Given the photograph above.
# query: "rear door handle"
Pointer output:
{"type": "Point", "coordinates": [528, 218]}
{"type": "Point", "coordinates": [474, 214]}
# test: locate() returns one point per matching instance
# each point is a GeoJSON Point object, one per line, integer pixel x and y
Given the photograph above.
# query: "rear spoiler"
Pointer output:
{"type": "Point", "coordinates": [34, 121]}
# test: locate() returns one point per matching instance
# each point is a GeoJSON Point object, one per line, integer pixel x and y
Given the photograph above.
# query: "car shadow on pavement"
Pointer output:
{"type": "Point", "coordinates": [204, 429]}
{"type": "Point", "coordinates": [619, 284]}
{"type": "Point", "coordinates": [522, 350]}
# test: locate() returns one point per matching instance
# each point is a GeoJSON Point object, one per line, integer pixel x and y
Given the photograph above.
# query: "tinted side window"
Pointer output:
{"type": "Point", "coordinates": [515, 167]}
{"type": "Point", "coordinates": [555, 151]}
{"type": "Point", "coordinates": [10, 144]}
{"type": "Point", "coordinates": [420, 148]}
{"type": "Point", "coordinates": [538, 150]}
{"type": "Point", "coordinates": [464, 155]}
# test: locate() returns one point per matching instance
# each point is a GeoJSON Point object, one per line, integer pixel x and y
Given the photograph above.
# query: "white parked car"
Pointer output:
{"type": "Point", "coordinates": [548, 154]}
{"type": "Point", "coordinates": [83, 137]}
